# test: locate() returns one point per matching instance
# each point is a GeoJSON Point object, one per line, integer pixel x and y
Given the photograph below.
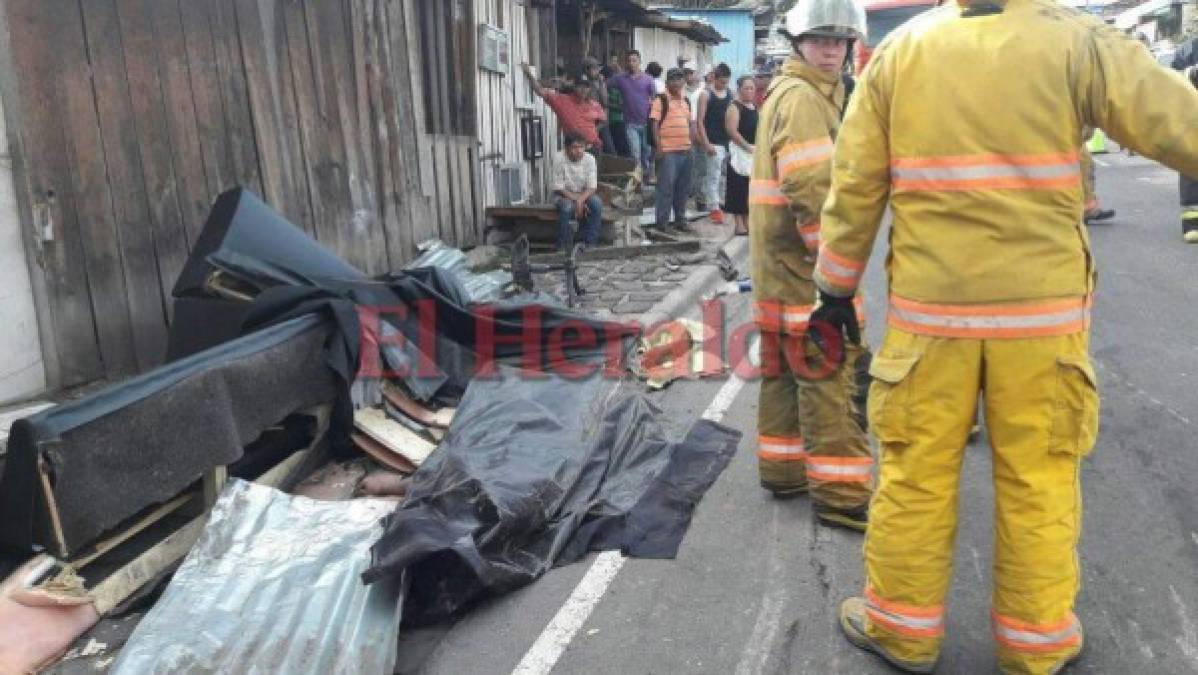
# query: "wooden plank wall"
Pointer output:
{"type": "Point", "coordinates": [501, 101]}
{"type": "Point", "coordinates": [129, 117]}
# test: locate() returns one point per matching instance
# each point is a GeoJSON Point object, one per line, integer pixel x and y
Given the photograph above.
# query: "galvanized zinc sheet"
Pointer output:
{"type": "Point", "coordinates": [273, 586]}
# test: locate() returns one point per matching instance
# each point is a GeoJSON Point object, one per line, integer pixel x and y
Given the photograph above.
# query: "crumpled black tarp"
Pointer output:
{"type": "Point", "coordinates": [292, 275]}
{"type": "Point", "coordinates": [535, 473]}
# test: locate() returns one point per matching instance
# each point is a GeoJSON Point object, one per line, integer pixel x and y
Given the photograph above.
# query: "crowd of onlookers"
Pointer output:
{"type": "Point", "coordinates": [690, 133]}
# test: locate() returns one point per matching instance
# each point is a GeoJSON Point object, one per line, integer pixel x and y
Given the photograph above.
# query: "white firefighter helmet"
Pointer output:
{"type": "Point", "coordinates": [826, 18]}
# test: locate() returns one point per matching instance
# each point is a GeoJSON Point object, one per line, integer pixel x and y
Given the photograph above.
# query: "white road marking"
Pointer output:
{"type": "Point", "coordinates": [769, 617]}
{"type": "Point", "coordinates": [1188, 640]}
{"type": "Point", "coordinates": [1141, 393]}
{"type": "Point", "coordinates": [553, 641]}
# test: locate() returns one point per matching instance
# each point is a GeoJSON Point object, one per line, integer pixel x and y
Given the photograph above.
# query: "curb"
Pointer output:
{"type": "Point", "coordinates": [701, 281]}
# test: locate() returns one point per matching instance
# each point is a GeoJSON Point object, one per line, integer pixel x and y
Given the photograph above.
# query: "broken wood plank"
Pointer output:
{"type": "Point", "coordinates": [440, 419]}
{"type": "Point", "coordinates": [374, 423]}
{"type": "Point", "coordinates": [381, 453]}
{"type": "Point", "coordinates": [94, 551]}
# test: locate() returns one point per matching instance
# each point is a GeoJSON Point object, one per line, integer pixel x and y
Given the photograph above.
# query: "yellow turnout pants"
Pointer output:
{"type": "Point", "coordinates": [1041, 408]}
{"type": "Point", "coordinates": [809, 436]}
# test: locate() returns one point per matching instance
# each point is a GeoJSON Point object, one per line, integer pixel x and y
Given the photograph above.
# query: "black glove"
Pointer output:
{"type": "Point", "coordinates": [835, 318]}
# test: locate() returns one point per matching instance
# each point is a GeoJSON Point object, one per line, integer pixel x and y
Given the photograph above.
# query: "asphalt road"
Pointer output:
{"type": "Point", "coordinates": [756, 585]}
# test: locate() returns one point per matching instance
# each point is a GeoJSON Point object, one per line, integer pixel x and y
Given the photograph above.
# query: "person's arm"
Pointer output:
{"type": "Point", "coordinates": [1138, 103]}
{"type": "Point", "coordinates": [655, 125]}
{"type": "Point", "coordinates": [732, 126]}
{"type": "Point", "coordinates": [860, 187]}
{"type": "Point", "coordinates": [590, 187]}
{"type": "Point", "coordinates": [532, 80]}
{"type": "Point", "coordinates": [704, 143]}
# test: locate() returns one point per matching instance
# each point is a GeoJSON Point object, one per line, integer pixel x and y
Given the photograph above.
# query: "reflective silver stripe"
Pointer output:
{"type": "Point", "coordinates": [921, 623]}
{"type": "Point", "coordinates": [837, 269]}
{"type": "Point", "coordinates": [1032, 638]}
{"type": "Point", "coordinates": [783, 449]}
{"type": "Point", "coordinates": [985, 171]}
{"type": "Point", "coordinates": [1065, 317]}
{"type": "Point", "coordinates": [811, 155]}
{"type": "Point", "coordinates": [839, 469]}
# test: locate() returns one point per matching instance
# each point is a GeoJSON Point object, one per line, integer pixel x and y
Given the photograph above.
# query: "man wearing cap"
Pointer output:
{"type": "Point", "coordinates": [576, 112]}
{"type": "Point", "coordinates": [590, 69]}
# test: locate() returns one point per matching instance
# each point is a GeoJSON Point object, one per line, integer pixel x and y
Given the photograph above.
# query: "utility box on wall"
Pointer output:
{"type": "Point", "coordinates": [494, 49]}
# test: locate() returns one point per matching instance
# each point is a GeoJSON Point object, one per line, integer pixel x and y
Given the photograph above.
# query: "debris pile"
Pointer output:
{"type": "Point", "coordinates": [503, 438]}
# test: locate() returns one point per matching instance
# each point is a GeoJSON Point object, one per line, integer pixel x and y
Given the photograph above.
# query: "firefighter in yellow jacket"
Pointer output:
{"type": "Point", "coordinates": [809, 439]}
{"type": "Point", "coordinates": [991, 278]}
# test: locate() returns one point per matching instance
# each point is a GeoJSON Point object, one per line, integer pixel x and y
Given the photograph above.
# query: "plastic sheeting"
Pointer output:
{"type": "Point", "coordinates": [273, 586]}
{"type": "Point", "coordinates": [537, 472]}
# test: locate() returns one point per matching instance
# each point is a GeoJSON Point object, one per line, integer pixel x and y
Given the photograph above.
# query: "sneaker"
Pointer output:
{"type": "Point", "coordinates": [1189, 231]}
{"type": "Point", "coordinates": [852, 622]}
{"type": "Point", "coordinates": [717, 217]}
{"type": "Point", "coordinates": [1098, 215]}
{"type": "Point", "coordinates": [684, 228]}
{"type": "Point", "coordinates": [852, 519]}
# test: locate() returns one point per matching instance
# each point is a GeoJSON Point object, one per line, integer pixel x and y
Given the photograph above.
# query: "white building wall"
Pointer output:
{"type": "Point", "coordinates": [665, 47]}
{"type": "Point", "coordinates": [22, 371]}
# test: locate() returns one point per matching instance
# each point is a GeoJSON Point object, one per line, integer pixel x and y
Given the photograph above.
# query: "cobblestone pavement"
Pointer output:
{"type": "Point", "coordinates": [624, 289]}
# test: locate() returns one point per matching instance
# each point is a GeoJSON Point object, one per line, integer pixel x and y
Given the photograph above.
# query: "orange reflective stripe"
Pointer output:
{"type": "Point", "coordinates": [986, 172]}
{"type": "Point", "coordinates": [841, 271]}
{"type": "Point", "coordinates": [907, 620]}
{"type": "Point", "coordinates": [1036, 638]}
{"type": "Point", "coordinates": [1032, 319]}
{"type": "Point", "coordinates": [810, 234]}
{"type": "Point", "coordinates": [767, 192]}
{"type": "Point", "coordinates": [776, 317]}
{"type": "Point", "coordinates": [781, 449]}
{"type": "Point", "coordinates": [798, 155]}
{"type": "Point", "coordinates": [840, 469]}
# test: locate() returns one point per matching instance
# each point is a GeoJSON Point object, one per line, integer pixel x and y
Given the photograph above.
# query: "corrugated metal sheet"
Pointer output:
{"type": "Point", "coordinates": [736, 25]}
{"type": "Point", "coordinates": [484, 287]}
{"type": "Point", "coordinates": [273, 586]}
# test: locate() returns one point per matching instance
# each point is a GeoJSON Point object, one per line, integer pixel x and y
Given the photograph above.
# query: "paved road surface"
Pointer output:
{"type": "Point", "coordinates": [755, 587]}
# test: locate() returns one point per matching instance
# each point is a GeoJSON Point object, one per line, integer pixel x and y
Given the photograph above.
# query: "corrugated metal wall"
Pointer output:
{"type": "Point", "coordinates": [502, 99]}
{"type": "Point", "coordinates": [737, 27]}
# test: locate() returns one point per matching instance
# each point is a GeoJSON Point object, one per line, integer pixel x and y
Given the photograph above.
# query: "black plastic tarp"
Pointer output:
{"type": "Point", "coordinates": [535, 473]}
{"type": "Point", "coordinates": [421, 321]}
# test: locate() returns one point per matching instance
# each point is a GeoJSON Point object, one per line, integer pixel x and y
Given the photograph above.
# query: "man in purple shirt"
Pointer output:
{"type": "Point", "coordinates": [638, 91]}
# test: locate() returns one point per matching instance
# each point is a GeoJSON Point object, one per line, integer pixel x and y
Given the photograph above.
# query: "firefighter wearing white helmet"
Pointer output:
{"type": "Point", "coordinates": [809, 439]}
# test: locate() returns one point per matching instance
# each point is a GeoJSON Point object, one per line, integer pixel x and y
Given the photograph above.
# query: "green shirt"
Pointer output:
{"type": "Point", "coordinates": [615, 106]}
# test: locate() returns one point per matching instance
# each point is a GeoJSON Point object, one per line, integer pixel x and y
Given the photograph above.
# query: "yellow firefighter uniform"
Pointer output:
{"type": "Point", "coordinates": [991, 278]}
{"type": "Point", "coordinates": [808, 436]}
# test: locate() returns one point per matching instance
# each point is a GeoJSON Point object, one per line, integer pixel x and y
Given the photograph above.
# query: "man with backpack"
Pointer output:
{"type": "Point", "coordinates": [673, 134]}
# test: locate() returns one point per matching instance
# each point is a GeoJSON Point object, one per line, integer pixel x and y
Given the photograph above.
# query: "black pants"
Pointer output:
{"type": "Point", "coordinates": [1189, 196]}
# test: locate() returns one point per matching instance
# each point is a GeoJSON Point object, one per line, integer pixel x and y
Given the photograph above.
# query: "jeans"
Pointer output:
{"type": "Point", "coordinates": [638, 144]}
{"type": "Point", "coordinates": [590, 226]}
{"type": "Point", "coordinates": [698, 173]}
{"type": "Point", "coordinates": [619, 136]}
{"type": "Point", "coordinates": [673, 186]}
{"type": "Point", "coordinates": [609, 145]}
{"type": "Point", "coordinates": [712, 173]}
